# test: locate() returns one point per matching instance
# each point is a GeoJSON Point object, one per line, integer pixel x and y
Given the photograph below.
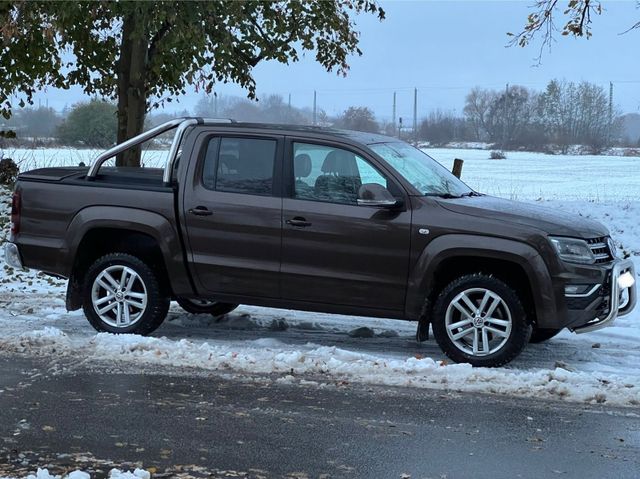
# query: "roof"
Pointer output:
{"type": "Point", "coordinates": [356, 136]}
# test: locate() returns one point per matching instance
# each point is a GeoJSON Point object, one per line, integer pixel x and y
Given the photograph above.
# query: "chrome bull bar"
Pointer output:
{"type": "Point", "coordinates": [622, 297]}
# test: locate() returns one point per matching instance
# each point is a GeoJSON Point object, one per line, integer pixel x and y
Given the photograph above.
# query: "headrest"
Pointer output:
{"type": "Point", "coordinates": [330, 162]}
{"type": "Point", "coordinates": [340, 162]}
{"type": "Point", "coordinates": [302, 165]}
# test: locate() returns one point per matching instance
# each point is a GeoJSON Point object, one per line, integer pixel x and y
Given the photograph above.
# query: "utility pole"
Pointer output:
{"type": "Point", "coordinates": [393, 115]}
{"type": "Point", "coordinates": [215, 105]}
{"type": "Point", "coordinates": [506, 116]}
{"type": "Point", "coordinates": [610, 112]}
{"type": "Point", "coordinates": [415, 115]}
{"type": "Point", "coordinates": [315, 111]}
{"type": "Point", "coordinates": [289, 109]}
{"type": "Point", "coordinates": [455, 125]}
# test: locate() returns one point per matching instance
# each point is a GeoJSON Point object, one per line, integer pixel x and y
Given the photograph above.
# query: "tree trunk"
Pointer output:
{"type": "Point", "coordinates": [132, 94]}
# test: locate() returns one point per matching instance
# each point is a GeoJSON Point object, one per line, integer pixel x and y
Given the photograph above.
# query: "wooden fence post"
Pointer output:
{"type": "Point", "coordinates": [457, 167]}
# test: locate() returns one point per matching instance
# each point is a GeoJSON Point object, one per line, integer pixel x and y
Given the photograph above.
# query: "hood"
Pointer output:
{"type": "Point", "coordinates": [550, 221]}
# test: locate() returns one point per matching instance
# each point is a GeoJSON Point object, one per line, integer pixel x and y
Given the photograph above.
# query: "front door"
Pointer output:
{"type": "Point", "coordinates": [333, 250]}
{"type": "Point", "coordinates": [233, 215]}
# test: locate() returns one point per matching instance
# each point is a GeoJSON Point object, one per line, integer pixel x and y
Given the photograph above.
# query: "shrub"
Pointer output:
{"type": "Point", "coordinates": [92, 124]}
{"type": "Point", "coordinates": [8, 172]}
{"type": "Point", "coordinates": [497, 155]}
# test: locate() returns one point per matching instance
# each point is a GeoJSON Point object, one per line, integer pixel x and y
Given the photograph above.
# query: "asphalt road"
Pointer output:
{"type": "Point", "coordinates": [182, 423]}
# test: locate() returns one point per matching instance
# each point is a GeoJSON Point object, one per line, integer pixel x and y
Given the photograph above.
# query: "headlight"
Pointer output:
{"type": "Point", "coordinates": [573, 250]}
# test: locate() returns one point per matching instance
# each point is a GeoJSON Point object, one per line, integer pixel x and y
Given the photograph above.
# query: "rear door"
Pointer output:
{"type": "Point", "coordinates": [233, 214]}
{"type": "Point", "coordinates": [333, 250]}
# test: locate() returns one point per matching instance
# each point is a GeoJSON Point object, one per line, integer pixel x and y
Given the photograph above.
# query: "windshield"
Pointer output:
{"type": "Point", "coordinates": [423, 172]}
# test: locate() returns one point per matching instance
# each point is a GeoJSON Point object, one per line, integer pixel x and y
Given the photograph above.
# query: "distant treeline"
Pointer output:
{"type": "Point", "coordinates": [564, 114]}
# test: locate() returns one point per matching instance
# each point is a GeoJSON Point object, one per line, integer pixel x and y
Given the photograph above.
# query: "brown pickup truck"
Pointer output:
{"type": "Point", "coordinates": [314, 219]}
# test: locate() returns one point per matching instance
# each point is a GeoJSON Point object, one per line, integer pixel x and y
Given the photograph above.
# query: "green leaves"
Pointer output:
{"type": "Point", "coordinates": [62, 44]}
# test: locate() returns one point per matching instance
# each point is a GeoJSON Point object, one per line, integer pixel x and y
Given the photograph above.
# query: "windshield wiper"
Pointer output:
{"type": "Point", "coordinates": [451, 196]}
{"type": "Point", "coordinates": [446, 196]}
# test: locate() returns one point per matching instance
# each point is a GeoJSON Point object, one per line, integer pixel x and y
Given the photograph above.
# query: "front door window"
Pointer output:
{"type": "Point", "coordinates": [329, 174]}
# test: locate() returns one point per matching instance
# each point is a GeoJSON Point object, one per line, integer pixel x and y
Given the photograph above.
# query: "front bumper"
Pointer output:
{"type": "Point", "coordinates": [12, 256]}
{"type": "Point", "coordinates": [621, 297]}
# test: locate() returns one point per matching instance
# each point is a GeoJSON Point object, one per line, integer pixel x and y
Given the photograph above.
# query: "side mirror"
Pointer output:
{"type": "Point", "coordinates": [373, 194]}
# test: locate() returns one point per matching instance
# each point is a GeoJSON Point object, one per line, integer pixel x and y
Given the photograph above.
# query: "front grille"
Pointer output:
{"type": "Point", "coordinates": [600, 249]}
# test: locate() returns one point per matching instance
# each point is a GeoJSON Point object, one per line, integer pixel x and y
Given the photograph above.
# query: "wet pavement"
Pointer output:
{"type": "Point", "coordinates": [185, 423]}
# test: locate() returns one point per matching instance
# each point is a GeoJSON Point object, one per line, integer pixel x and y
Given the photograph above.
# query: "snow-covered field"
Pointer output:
{"type": "Point", "coordinates": [29, 159]}
{"type": "Point", "coordinates": [320, 350]}
{"type": "Point", "coordinates": [522, 175]}
{"type": "Point", "coordinates": [532, 176]}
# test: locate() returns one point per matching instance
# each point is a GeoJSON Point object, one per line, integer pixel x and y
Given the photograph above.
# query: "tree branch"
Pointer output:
{"type": "Point", "coordinates": [159, 35]}
{"type": "Point", "coordinates": [579, 13]}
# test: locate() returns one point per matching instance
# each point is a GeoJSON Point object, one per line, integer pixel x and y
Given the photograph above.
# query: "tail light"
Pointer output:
{"type": "Point", "coordinates": [15, 213]}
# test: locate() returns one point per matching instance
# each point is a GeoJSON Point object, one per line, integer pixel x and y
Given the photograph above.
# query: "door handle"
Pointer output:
{"type": "Point", "coordinates": [299, 222]}
{"type": "Point", "coordinates": [200, 211]}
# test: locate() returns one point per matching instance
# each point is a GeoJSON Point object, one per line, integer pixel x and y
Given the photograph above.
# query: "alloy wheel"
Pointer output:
{"type": "Point", "coordinates": [478, 322]}
{"type": "Point", "coordinates": [119, 296]}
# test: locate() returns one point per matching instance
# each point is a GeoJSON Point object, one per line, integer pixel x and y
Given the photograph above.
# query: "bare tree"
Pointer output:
{"type": "Point", "coordinates": [477, 105]}
{"type": "Point", "coordinates": [578, 114]}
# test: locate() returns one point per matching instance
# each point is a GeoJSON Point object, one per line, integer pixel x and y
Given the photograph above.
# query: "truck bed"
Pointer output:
{"type": "Point", "coordinates": [137, 178]}
{"type": "Point", "coordinates": [59, 204]}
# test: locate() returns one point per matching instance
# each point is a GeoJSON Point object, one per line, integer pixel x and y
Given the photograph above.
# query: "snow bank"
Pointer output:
{"type": "Point", "coordinates": [332, 363]}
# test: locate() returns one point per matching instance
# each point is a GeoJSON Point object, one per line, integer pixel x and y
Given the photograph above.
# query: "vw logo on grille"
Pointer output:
{"type": "Point", "coordinates": [612, 247]}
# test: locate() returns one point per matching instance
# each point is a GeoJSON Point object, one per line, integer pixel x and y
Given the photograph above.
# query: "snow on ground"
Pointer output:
{"type": "Point", "coordinates": [113, 474]}
{"type": "Point", "coordinates": [599, 367]}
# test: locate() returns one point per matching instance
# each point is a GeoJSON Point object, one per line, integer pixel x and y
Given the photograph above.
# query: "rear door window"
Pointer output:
{"type": "Point", "coordinates": [240, 165]}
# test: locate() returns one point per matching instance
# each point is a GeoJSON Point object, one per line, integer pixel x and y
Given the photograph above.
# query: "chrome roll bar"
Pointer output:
{"type": "Point", "coordinates": [182, 124]}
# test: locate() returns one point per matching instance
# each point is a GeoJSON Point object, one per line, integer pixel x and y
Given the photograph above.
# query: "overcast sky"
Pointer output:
{"type": "Point", "coordinates": [444, 48]}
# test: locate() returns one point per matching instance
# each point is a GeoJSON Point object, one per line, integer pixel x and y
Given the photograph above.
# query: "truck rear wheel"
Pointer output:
{"type": "Point", "coordinates": [122, 294]}
{"type": "Point", "coordinates": [478, 319]}
{"type": "Point", "coordinates": [203, 306]}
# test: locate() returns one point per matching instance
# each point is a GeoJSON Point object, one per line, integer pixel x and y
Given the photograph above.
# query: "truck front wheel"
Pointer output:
{"type": "Point", "coordinates": [122, 294]}
{"type": "Point", "coordinates": [478, 319]}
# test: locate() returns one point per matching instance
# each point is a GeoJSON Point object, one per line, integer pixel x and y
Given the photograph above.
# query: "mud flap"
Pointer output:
{"type": "Point", "coordinates": [74, 295]}
{"type": "Point", "coordinates": [422, 332]}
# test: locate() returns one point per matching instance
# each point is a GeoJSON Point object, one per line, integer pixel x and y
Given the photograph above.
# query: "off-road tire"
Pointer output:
{"type": "Point", "coordinates": [520, 328]}
{"type": "Point", "coordinates": [157, 299]}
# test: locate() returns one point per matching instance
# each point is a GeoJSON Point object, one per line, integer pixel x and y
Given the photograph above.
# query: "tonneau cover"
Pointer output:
{"type": "Point", "coordinates": [53, 174]}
